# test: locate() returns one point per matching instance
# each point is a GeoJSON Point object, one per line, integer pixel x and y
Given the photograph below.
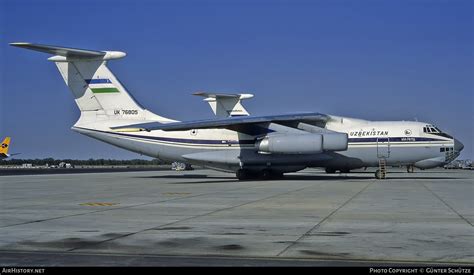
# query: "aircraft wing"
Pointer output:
{"type": "Point", "coordinates": [233, 123]}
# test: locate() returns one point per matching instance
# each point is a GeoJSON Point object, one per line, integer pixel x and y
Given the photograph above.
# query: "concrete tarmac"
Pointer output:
{"type": "Point", "coordinates": [209, 217]}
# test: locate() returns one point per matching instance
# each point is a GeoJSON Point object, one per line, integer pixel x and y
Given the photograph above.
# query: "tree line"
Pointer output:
{"type": "Point", "coordinates": [75, 162]}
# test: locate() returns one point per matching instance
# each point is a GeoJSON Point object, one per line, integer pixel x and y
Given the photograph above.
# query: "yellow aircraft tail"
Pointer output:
{"type": "Point", "coordinates": [4, 146]}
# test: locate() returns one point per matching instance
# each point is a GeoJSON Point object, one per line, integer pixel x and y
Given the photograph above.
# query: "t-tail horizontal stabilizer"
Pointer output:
{"type": "Point", "coordinates": [226, 105]}
{"type": "Point", "coordinates": [70, 53]}
{"type": "Point", "coordinates": [99, 95]}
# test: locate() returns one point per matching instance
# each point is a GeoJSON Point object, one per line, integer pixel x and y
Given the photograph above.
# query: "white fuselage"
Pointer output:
{"type": "Point", "coordinates": [398, 142]}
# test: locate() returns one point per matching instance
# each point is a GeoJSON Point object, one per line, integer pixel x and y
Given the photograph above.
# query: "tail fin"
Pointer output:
{"type": "Point", "coordinates": [4, 147]}
{"type": "Point", "coordinates": [94, 86]}
{"type": "Point", "coordinates": [226, 105]}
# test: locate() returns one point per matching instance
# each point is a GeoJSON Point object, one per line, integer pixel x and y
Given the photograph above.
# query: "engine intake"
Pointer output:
{"type": "Point", "coordinates": [335, 141]}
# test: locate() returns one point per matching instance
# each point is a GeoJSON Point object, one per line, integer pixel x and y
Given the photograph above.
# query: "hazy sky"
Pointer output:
{"type": "Point", "coordinates": [377, 60]}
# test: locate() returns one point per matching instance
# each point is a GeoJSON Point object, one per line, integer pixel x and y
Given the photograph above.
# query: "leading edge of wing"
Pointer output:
{"type": "Point", "coordinates": [223, 123]}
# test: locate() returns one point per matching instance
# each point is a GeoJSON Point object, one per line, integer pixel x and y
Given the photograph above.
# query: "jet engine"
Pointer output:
{"type": "Point", "coordinates": [303, 143]}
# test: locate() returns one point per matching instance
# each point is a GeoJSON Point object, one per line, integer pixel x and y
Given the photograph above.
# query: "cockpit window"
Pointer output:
{"type": "Point", "coordinates": [431, 129]}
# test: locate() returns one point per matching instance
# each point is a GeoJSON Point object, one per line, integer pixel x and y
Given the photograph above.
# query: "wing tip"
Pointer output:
{"type": "Point", "coordinates": [19, 44]}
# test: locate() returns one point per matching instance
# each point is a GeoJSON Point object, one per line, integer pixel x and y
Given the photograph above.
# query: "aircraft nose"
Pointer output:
{"type": "Point", "coordinates": [458, 146]}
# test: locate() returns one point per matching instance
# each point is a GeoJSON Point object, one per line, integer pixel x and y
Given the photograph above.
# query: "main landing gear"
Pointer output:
{"type": "Point", "coordinates": [330, 170]}
{"type": "Point", "coordinates": [410, 168]}
{"type": "Point", "coordinates": [266, 174]}
{"type": "Point", "coordinates": [243, 174]}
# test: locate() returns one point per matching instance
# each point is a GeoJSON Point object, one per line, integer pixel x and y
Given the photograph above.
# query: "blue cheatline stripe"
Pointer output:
{"type": "Point", "coordinates": [97, 81]}
{"type": "Point", "coordinates": [180, 140]}
{"type": "Point", "coordinates": [251, 142]}
{"type": "Point", "coordinates": [394, 139]}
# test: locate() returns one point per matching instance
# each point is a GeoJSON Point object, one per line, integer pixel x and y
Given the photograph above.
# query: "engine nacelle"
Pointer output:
{"type": "Point", "coordinates": [303, 143]}
{"type": "Point", "coordinates": [335, 141]}
{"type": "Point", "coordinates": [292, 144]}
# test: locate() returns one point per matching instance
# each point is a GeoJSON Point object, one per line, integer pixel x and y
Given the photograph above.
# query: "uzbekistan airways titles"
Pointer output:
{"type": "Point", "coordinates": [372, 132]}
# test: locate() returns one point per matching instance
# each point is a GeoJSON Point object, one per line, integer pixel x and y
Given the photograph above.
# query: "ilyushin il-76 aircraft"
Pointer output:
{"type": "Point", "coordinates": [249, 146]}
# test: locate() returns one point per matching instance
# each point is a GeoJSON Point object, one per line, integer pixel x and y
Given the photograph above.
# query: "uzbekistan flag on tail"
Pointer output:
{"type": "Point", "coordinates": [101, 86]}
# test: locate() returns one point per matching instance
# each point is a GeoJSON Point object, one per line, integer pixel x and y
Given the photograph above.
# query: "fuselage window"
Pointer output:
{"type": "Point", "coordinates": [441, 149]}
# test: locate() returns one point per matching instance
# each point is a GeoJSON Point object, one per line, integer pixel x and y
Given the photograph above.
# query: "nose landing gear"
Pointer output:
{"type": "Point", "coordinates": [379, 175]}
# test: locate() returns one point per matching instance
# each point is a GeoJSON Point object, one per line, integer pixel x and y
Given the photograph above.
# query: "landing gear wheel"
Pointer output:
{"type": "Point", "coordinates": [242, 174]}
{"type": "Point", "coordinates": [267, 174]}
{"type": "Point", "coordinates": [410, 169]}
{"type": "Point", "coordinates": [330, 170]}
{"type": "Point", "coordinates": [378, 174]}
{"type": "Point", "coordinates": [278, 175]}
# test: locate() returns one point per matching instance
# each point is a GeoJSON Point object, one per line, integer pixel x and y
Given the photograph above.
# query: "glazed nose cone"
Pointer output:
{"type": "Point", "coordinates": [458, 146]}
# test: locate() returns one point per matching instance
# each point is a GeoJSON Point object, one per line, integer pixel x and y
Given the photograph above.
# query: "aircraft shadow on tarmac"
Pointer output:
{"type": "Point", "coordinates": [192, 176]}
{"type": "Point", "coordinates": [212, 179]}
{"type": "Point", "coordinates": [306, 177]}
